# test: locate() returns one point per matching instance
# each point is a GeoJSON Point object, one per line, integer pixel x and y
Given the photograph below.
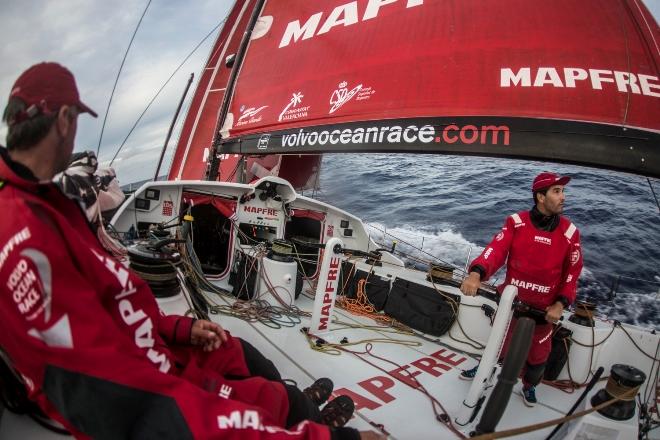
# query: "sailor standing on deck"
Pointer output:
{"type": "Point", "coordinates": [542, 252]}
{"type": "Point", "coordinates": [86, 334]}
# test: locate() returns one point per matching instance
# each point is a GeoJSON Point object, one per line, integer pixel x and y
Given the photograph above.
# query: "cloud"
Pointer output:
{"type": "Point", "coordinates": [90, 38]}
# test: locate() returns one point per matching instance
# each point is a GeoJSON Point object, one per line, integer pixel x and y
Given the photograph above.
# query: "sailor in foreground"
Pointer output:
{"type": "Point", "coordinates": [544, 260]}
{"type": "Point", "coordinates": [86, 334]}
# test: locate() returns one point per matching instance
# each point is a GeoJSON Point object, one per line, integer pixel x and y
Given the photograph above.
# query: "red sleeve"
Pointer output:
{"type": "Point", "coordinates": [175, 329]}
{"type": "Point", "coordinates": [87, 373]}
{"type": "Point", "coordinates": [571, 269]}
{"type": "Point", "coordinates": [495, 253]}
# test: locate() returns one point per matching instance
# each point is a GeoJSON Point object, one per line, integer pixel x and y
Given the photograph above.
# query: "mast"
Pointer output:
{"type": "Point", "coordinates": [214, 159]}
{"type": "Point", "coordinates": [169, 132]}
{"type": "Point", "coordinates": [198, 128]}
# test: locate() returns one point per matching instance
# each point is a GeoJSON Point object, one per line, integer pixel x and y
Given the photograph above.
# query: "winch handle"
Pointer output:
{"type": "Point", "coordinates": [480, 292]}
{"type": "Point", "coordinates": [162, 226]}
{"type": "Point", "coordinates": [488, 295]}
{"type": "Point", "coordinates": [338, 249]}
{"type": "Point", "coordinates": [532, 311]}
{"type": "Point", "coordinates": [375, 255]}
{"type": "Point", "coordinates": [156, 246]}
{"type": "Point", "coordinates": [300, 242]}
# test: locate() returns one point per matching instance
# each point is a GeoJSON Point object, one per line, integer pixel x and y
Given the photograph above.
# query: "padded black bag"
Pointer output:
{"type": "Point", "coordinates": [243, 277]}
{"type": "Point", "coordinates": [347, 284]}
{"type": "Point", "coordinates": [421, 307]}
{"type": "Point", "coordinates": [561, 345]}
{"type": "Point", "coordinates": [376, 288]}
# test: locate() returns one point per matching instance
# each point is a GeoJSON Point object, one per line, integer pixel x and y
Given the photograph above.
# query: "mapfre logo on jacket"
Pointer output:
{"type": "Point", "coordinates": [132, 316]}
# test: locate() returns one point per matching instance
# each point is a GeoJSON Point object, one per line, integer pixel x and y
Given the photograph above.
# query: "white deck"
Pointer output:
{"type": "Point", "coordinates": [381, 398]}
{"type": "Point", "coordinates": [404, 412]}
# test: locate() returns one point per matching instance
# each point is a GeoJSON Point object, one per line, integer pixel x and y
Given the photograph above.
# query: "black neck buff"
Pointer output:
{"type": "Point", "coordinates": [20, 169]}
{"type": "Point", "coordinates": [543, 222]}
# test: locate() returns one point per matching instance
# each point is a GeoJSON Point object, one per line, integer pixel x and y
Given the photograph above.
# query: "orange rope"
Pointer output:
{"type": "Point", "coordinates": [361, 306]}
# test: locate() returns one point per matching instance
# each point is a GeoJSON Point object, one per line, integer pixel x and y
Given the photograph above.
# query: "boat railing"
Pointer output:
{"type": "Point", "coordinates": [472, 402]}
{"type": "Point", "coordinates": [472, 250]}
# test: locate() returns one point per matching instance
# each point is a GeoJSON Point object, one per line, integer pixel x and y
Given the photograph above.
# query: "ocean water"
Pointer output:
{"type": "Point", "coordinates": [449, 208]}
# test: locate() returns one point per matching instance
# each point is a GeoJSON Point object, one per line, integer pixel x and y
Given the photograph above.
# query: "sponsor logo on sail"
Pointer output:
{"type": "Point", "coordinates": [396, 134]}
{"type": "Point", "coordinates": [573, 77]}
{"type": "Point", "coordinates": [263, 141]}
{"type": "Point", "coordinates": [250, 115]}
{"type": "Point", "coordinates": [342, 95]}
{"type": "Point", "coordinates": [293, 110]}
{"type": "Point", "coordinates": [341, 16]}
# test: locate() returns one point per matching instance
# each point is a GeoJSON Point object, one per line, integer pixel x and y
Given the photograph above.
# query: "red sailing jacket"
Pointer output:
{"type": "Point", "coordinates": [543, 265]}
{"type": "Point", "coordinates": [87, 336]}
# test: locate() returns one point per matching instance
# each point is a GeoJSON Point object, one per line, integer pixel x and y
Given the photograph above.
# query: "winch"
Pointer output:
{"type": "Point", "coordinates": [156, 264]}
{"type": "Point", "coordinates": [624, 381]}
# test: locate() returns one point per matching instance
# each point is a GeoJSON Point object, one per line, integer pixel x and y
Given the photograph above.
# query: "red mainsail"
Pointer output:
{"type": "Point", "coordinates": [199, 128]}
{"type": "Point", "coordinates": [567, 80]}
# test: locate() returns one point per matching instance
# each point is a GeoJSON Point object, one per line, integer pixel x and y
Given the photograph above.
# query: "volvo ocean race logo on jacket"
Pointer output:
{"type": "Point", "coordinates": [31, 285]}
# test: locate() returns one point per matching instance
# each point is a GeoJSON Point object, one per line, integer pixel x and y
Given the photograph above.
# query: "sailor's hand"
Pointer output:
{"type": "Point", "coordinates": [208, 334]}
{"type": "Point", "coordinates": [371, 435]}
{"type": "Point", "coordinates": [470, 284]}
{"type": "Point", "coordinates": [554, 312]}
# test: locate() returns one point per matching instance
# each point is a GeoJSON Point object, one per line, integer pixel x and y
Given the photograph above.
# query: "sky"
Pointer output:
{"type": "Point", "coordinates": [90, 38]}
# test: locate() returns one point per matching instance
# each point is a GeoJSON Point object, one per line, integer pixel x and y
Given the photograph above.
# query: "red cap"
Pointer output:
{"type": "Point", "coordinates": [47, 87]}
{"type": "Point", "coordinates": [547, 179]}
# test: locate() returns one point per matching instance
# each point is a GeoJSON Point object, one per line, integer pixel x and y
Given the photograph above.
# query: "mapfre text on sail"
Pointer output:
{"type": "Point", "coordinates": [343, 15]}
{"type": "Point", "coordinates": [572, 77]}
